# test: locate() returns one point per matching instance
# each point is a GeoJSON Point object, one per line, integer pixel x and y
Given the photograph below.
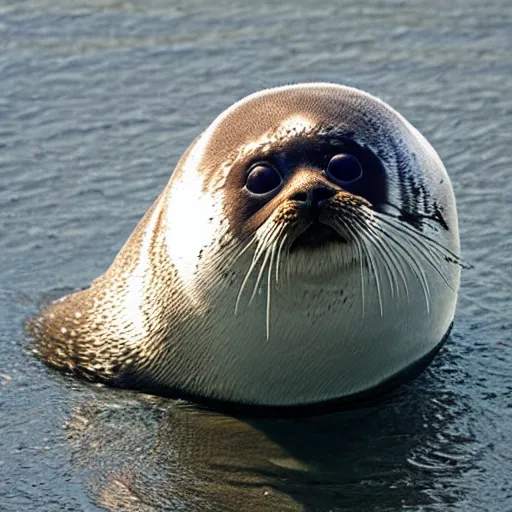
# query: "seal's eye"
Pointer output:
{"type": "Point", "coordinates": [344, 169]}
{"type": "Point", "coordinates": [263, 178]}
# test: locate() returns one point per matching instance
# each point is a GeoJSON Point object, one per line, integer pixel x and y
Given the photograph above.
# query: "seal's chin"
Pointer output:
{"type": "Point", "coordinates": [317, 236]}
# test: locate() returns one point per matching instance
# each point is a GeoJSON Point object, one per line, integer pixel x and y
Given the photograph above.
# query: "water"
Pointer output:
{"type": "Point", "coordinates": [98, 100]}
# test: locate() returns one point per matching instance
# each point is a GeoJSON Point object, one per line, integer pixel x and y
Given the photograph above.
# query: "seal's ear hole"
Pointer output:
{"type": "Point", "coordinates": [344, 168]}
{"type": "Point", "coordinates": [262, 179]}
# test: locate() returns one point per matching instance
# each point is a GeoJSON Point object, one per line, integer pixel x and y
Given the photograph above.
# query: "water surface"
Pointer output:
{"type": "Point", "coordinates": [98, 100]}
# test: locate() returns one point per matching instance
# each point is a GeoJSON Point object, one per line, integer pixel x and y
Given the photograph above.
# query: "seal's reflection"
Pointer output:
{"type": "Point", "coordinates": [144, 453]}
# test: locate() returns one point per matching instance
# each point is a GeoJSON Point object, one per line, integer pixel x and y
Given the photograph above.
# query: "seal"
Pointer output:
{"type": "Point", "coordinates": [305, 249]}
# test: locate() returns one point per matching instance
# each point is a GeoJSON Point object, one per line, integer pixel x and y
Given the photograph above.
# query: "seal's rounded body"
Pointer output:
{"type": "Point", "coordinates": [305, 249]}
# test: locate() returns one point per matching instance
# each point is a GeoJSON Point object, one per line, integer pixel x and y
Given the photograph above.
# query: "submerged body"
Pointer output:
{"type": "Point", "coordinates": [305, 249]}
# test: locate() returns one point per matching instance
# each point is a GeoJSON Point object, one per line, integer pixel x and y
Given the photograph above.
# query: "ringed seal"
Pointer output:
{"type": "Point", "coordinates": [305, 249]}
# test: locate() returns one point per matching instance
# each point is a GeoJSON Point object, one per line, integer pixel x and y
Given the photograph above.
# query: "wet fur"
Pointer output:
{"type": "Point", "coordinates": [204, 297]}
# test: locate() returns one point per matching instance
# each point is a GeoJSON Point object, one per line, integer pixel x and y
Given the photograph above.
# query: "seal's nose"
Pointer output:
{"type": "Point", "coordinates": [315, 196]}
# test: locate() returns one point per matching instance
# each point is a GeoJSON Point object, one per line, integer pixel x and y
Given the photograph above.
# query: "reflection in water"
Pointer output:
{"type": "Point", "coordinates": [99, 99]}
{"type": "Point", "coordinates": [145, 453]}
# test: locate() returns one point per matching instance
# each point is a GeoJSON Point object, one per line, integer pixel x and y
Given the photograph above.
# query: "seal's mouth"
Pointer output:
{"type": "Point", "coordinates": [317, 236]}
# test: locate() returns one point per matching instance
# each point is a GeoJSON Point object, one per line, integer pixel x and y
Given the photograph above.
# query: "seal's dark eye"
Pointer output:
{"type": "Point", "coordinates": [262, 178]}
{"type": "Point", "coordinates": [344, 168]}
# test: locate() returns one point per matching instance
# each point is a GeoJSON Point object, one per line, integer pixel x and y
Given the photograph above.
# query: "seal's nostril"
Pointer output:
{"type": "Point", "coordinates": [299, 196]}
{"type": "Point", "coordinates": [319, 194]}
{"type": "Point", "coordinates": [314, 196]}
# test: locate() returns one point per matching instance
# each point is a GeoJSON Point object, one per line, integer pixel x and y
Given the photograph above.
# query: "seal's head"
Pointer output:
{"type": "Point", "coordinates": [305, 249]}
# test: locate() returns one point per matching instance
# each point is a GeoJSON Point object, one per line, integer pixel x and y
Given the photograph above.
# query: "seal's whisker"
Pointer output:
{"type": "Point", "coordinates": [246, 248]}
{"type": "Point", "coordinates": [269, 286]}
{"type": "Point", "coordinates": [411, 260]}
{"type": "Point", "coordinates": [255, 259]}
{"type": "Point", "coordinates": [230, 262]}
{"type": "Point", "coordinates": [367, 247]}
{"type": "Point", "coordinates": [380, 251]}
{"type": "Point", "coordinates": [279, 252]}
{"type": "Point", "coordinates": [361, 264]}
{"type": "Point", "coordinates": [267, 243]}
{"type": "Point", "coordinates": [242, 286]}
{"type": "Point", "coordinates": [361, 256]}
{"type": "Point", "coordinates": [431, 260]}
{"type": "Point", "coordinates": [395, 221]}
{"type": "Point", "coordinates": [405, 251]}
{"type": "Point", "coordinates": [263, 242]}
{"type": "Point", "coordinates": [232, 258]}
{"type": "Point", "coordinates": [411, 257]}
{"type": "Point", "coordinates": [388, 256]}
{"type": "Point", "coordinates": [422, 244]}
{"type": "Point", "coordinates": [246, 278]}
{"type": "Point", "coordinates": [401, 255]}
{"type": "Point", "coordinates": [424, 278]}
{"type": "Point", "coordinates": [407, 229]}
{"type": "Point", "coordinates": [395, 261]}
{"type": "Point", "coordinates": [260, 275]}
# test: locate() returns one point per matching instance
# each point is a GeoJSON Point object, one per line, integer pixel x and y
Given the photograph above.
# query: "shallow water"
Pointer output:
{"type": "Point", "coordinates": [98, 100]}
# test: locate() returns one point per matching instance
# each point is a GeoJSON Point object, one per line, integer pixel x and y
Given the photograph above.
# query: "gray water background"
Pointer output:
{"type": "Point", "coordinates": [98, 99]}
